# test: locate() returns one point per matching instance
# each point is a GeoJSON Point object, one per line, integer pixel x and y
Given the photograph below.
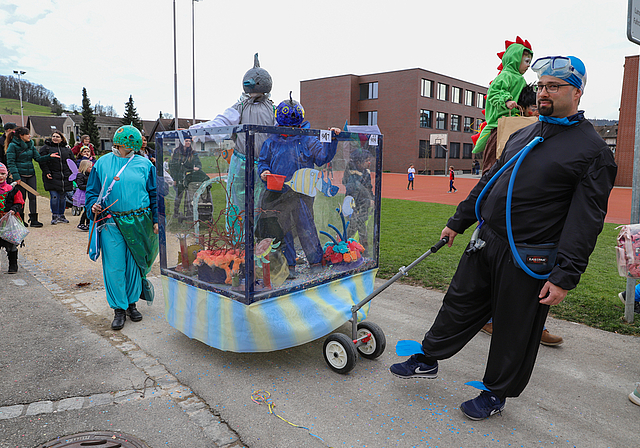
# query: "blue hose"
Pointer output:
{"type": "Point", "coordinates": [517, 159]}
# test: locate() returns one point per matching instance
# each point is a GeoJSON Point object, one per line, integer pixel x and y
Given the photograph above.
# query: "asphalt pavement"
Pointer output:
{"type": "Point", "coordinates": [63, 371]}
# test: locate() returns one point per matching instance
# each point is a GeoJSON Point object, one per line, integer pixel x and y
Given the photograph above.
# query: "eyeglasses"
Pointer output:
{"type": "Point", "coordinates": [551, 88]}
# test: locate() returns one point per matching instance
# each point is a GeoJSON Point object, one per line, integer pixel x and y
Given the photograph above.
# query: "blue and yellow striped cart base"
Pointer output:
{"type": "Point", "coordinates": [267, 325]}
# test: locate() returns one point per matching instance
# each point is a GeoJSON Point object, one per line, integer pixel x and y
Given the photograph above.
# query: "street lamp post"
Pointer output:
{"type": "Point", "coordinates": [175, 69]}
{"type": "Point", "coordinates": [193, 56]}
{"type": "Point", "coordinates": [20, 73]}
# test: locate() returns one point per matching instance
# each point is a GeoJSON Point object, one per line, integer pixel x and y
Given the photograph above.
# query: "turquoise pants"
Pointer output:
{"type": "Point", "coordinates": [122, 279]}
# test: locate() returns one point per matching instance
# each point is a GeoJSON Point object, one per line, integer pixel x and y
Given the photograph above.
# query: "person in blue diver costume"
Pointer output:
{"type": "Point", "coordinates": [284, 155]}
{"type": "Point", "coordinates": [253, 107]}
{"type": "Point", "coordinates": [121, 193]}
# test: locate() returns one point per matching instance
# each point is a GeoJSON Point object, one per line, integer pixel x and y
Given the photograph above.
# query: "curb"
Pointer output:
{"type": "Point", "coordinates": [159, 382]}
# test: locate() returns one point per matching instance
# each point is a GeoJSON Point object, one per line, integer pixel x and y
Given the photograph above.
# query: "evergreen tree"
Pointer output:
{"type": "Point", "coordinates": [72, 140]}
{"type": "Point", "coordinates": [131, 115]}
{"type": "Point", "coordinates": [88, 125]}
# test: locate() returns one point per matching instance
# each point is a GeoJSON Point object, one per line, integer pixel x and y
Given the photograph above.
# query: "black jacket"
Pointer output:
{"type": "Point", "coordinates": [81, 181]}
{"type": "Point", "coordinates": [57, 168]}
{"type": "Point", "coordinates": [560, 194]}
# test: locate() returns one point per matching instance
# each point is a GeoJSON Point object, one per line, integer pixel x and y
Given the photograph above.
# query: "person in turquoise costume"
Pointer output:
{"type": "Point", "coordinates": [253, 107]}
{"type": "Point", "coordinates": [121, 193]}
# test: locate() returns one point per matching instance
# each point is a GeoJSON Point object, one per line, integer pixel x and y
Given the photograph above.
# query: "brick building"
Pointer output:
{"type": "Point", "coordinates": [627, 123]}
{"type": "Point", "coordinates": [408, 106]}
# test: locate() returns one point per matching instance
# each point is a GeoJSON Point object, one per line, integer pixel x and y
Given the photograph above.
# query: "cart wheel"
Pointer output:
{"type": "Point", "coordinates": [377, 343]}
{"type": "Point", "coordinates": [340, 353]}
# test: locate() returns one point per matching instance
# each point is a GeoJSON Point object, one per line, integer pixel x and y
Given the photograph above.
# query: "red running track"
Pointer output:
{"type": "Point", "coordinates": [435, 189]}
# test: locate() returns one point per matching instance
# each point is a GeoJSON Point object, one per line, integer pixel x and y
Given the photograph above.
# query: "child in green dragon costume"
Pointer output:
{"type": "Point", "coordinates": [502, 96]}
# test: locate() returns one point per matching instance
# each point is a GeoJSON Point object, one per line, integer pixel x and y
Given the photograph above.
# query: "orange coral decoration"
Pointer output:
{"type": "Point", "coordinates": [229, 260]}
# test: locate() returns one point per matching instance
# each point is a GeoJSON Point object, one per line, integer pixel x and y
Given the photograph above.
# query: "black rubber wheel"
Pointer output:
{"type": "Point", "coordinates": [376, 345]}
{"type": "Point", "coordinates": [339, 353]}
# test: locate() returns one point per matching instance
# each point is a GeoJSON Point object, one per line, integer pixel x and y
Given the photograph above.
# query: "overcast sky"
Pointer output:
{"type": "Point", "coordinates": [118, 48]}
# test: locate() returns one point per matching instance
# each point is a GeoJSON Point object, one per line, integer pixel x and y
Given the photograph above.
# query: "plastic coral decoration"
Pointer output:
{"type": "Point", "coordinates": [227, 259]}
{"type": "Point", "coordinates": [223, 240]}
{"type": "Point", "coordinates": [342, 249]}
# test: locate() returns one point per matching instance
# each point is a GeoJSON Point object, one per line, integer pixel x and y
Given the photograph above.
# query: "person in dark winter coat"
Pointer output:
{"type": "Point", "coordinates": [146, 151]}
{"type": "Point", "coordinates": [55, 174]}
{"type": "Point", "coordinates": [21, 153]}
{"type": "Point", "coordinates": [10, 202]}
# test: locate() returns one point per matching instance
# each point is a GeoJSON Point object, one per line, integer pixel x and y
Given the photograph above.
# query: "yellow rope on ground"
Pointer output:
{"type": "Point", "coordinates": [264, 397]}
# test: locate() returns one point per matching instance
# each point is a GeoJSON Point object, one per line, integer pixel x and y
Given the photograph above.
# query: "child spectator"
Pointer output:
{"type": "Point", "coordinates": [502, 95]}
{"type": "Point", "coordinates": [452, 177]}
{"type": "Point", "coordinates": [11, 201]}
{"type": "Point", "coordinates": [284, 155]}
{"type": "Point", "coordinates": [527, 101]}
{"type": "Point", "coordinates": [79, 196]}
{"type": "Point", "coordinates": [85, 154]}
{"type": "Point", "coordinates": [411, 174]}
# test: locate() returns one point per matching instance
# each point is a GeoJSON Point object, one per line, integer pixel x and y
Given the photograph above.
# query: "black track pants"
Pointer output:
{"type": "Point", "coordinates": [489, 284]}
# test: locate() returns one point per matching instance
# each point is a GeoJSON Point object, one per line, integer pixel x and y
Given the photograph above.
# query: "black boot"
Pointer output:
{"type": "Point", "coordinates": [33, 220]}
{"type": "Point", "coordinates": [118, 320]}
{"type": "Point", "coordinates": [133, 313]}
{"type": "Point", "coordinates": [54, 220]}
{"type": "Point", "coordinates": [13, 262]}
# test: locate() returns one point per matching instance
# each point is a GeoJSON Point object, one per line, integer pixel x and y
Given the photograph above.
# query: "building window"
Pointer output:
{"type": "Point", "coordinates": [466, 150]}
{"type": "Point", "coordinates": [468, 123]}
{"type": "Point", "coordinates": [368, 118]}
{"type": "Point", "coordinates": [455, 122]}
{"type": "Point", "coordinates": [479, 122]}
{"type": "Point", "coordinates": [441, 120]}
{"type": "Point", "coordinates": [480, 100]}
{"type": "Point", "coordinates": [426, 117]}
{"type": "Point", "coordinates": [427, 88]}
{"type": "Point", "coordinates": [424, 150]}
{"type": "Point", "coordinates": [454, 150]}
{"type": "Point", "coordinates": [441, 152]}
{"type": "Point", "coordinates": [443, 91]}
{"type": "Point", "coordinates": [468, 97]}
{"type": "Point", "coordinates": [456, 95]}
{"type": "Point", "coordinates": [369, 91]}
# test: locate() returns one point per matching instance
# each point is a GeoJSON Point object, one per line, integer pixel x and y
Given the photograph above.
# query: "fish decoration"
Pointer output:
{"type": "Point", "coordinates": [226, 154]}
{"type": "Point", "coordinates": [347, 206]}
{"type": "Point", "coordinates": [309, 181]}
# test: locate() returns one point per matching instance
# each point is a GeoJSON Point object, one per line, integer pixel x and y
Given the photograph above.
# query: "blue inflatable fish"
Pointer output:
{"type": "Point", "coordinates": [309, 181]}
{"type": "Point", "coordinates": [348, 205]}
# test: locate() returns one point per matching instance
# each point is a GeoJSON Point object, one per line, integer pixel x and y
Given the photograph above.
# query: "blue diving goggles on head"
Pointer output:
{"type": "Point", "coordinates": [560, 67]}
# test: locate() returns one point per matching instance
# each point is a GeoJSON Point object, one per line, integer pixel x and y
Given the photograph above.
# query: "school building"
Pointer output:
{"type": "Point", "coordinates": [408, 106]}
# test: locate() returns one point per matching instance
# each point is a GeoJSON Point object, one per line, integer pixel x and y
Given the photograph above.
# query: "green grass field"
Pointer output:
{"type": "Point", "coordinates": [12, 107]}
{"type": "Point", "coordinates": [408, 229]}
